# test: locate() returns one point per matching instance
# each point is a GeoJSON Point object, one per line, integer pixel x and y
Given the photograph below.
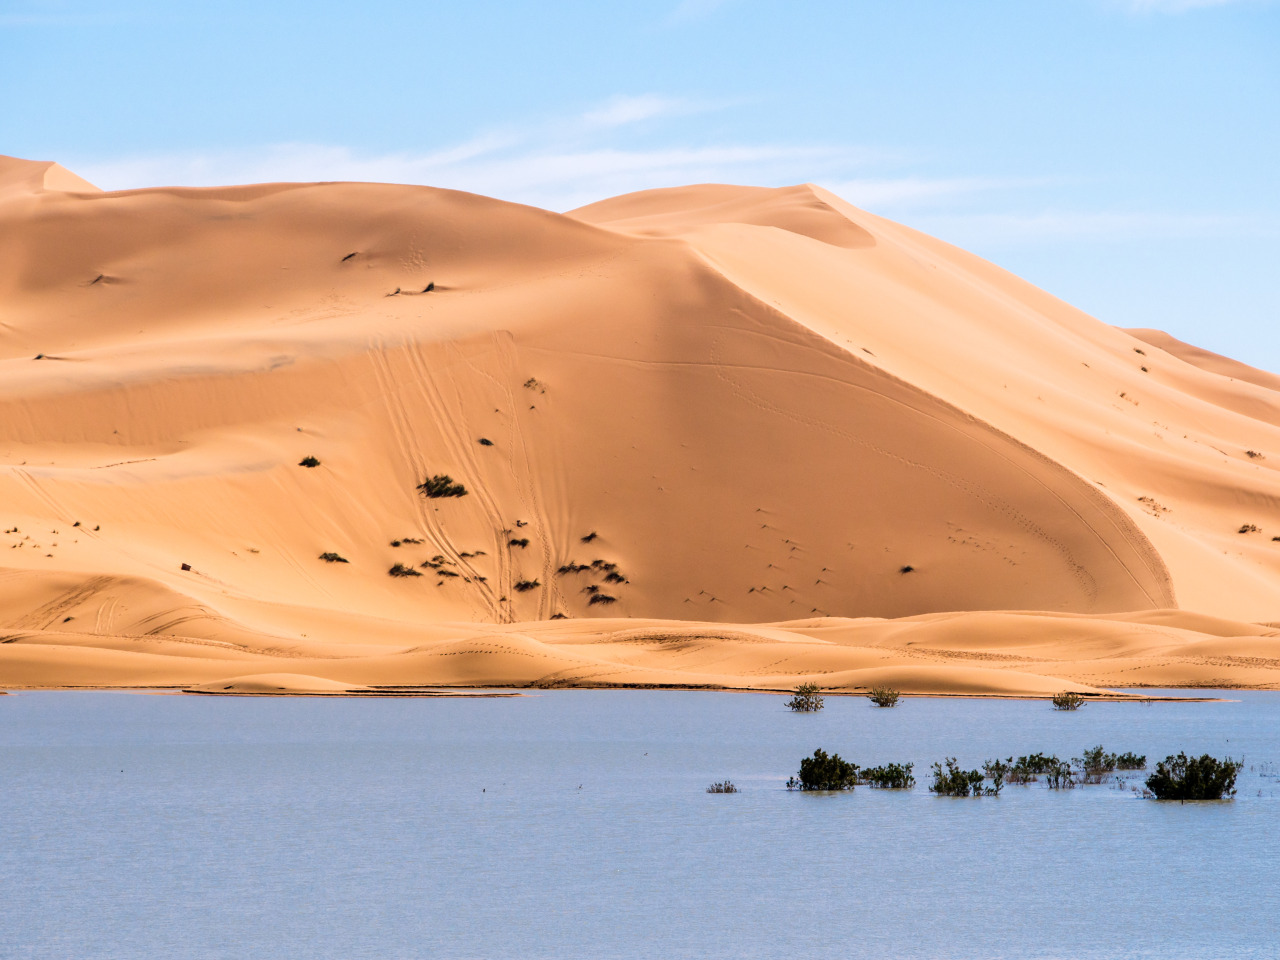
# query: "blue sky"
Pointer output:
{"type": "Point", "coordinates": [1122, 154]}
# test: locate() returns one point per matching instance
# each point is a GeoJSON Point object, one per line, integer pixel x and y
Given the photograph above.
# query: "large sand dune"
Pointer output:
{"type": "Point", "coordinates": [717, 407]}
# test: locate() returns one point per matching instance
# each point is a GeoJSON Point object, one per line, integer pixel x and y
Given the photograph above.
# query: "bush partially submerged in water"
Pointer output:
{"type": "Point", "coordinates": [725, 786]}
{"type": "Point", "coordinates": [822, 772]}
{"type": "Point", "coordinates": [954, 782]}
{"type": "Point", "coordinates": [1130, 761]}
{"type": "Point", "coordinates": [1066, 700]}
{"type": "Point", "coordinates": [1192, 778]}
{"type": "Point", "coordinates": [1060, 776]}
{"type": "Point", "coordinates": [892, 776]}
{"type": "Point", "coordinates": [884, 696]}
{"type": "Point", "coordinates": [1026, 768]}
{"type": "Point", "coordinates": [806, 699]}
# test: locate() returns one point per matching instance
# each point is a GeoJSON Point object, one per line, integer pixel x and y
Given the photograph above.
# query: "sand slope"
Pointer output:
{"type": "Point", "coordinates": [709, 405]}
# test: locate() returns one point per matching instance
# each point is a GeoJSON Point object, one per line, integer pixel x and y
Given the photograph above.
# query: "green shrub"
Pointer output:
{"type": "Point", "coordinates": [1096, 764]}
{"type": "Point", "coordinates": [331, 557]}
{"type": "Point", "coordinates": [1066, 700]}
{"type": "Point", "coordinates": [400, 570]}
{"type": "Point", "coordinates": [805, 699]}
{"type": "Point", "coordinates": [441, 485]}
{"type": "Point", "coordinates": [1131, 761]}
{"type": "Point", "coordinates": [308, 462]}
{"type": "Point", "coordinates": [892, 776]}
{"type": "Point", "coordinates": [996, 770]}
{"type": "Point", "coordinates": [1060, 776]}
{"type": "Point", "coordinates": [954, 782]}
{"type": "Point", "coordinates": [725, 786]}
{"type": "Point", "coordinates": [1192, 778]}
{"type": "Point", "coordinates": [884, 696]}
{"type": "Point", "coordinates": [1026, 768]}
{"type": "Point", "coordinates": [822, 772]}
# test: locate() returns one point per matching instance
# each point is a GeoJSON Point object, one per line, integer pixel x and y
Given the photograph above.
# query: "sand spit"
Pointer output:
{"type": "Point", "coordinates": [298, 685]}
{"type": "Point", "coordinates": [712, 436]}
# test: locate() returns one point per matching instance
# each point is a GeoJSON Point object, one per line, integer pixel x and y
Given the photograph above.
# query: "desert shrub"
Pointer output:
{"type": "Point", "coordinates": [559, 616]}
{"type": "Point", "coordinates": [601, 598]}
{"type": "Point", "coordinates": [884, 696]}
{"type": "Point", "coordinates": [907, 569]}
{"type": "Point", "coordinates": [485, 442]}
{"type": "Point", "coordinates": [822, 772]}
{"type": "Point", "coordinates": [892, 776]}
{"type": "Point", "coordinates": [951, 781]}
{"type": "Point", "coordinates": [447, 573]}
{"type": "Point", "coordinates": [613, 576]}
{"type": "Point", "coordinates": [308, 462]}
{"type": "Point", "coordinates": [589, 537]}
{"type": "Point", "coordinates": [603, 565]}
{"type": "Point", "coordinates": [523, 586]}
{"type": "Point", "coordinates": [441, 485]}
{"type": "Point", "coordinates": [572, 567]}
{"type": "Point", "coordinates": [400, 570]}
{"type": "Point", "coordinates": [521, 542]}
{"type": "Point", "coordinates": [1254, 455]}
{"type": "Point", "coordinates": [1131, 761]}
{"type": "Point", "coordinates": [1194, 778]}
{"type": "Point", "coordinates": [1066, 700]}
{"type": "Point", "coordinates": [331, 557]}
{"type": "Point", "coordinates": [724, 786]}
{"type": "Point", "coordinates": [1060, 776]}
{"type": "Point", "coordinates": [805, 699]}
{"type": "Point", "coordinates": [1248, 528]}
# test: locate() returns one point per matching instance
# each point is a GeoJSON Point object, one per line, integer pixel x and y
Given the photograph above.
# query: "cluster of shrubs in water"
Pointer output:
{"type": "Point", "coordinates": [1175, 778]}
{"type": "Point", "coordinates": [807, 698]}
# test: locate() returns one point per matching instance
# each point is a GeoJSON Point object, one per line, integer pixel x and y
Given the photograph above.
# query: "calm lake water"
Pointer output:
{"type": "Point", "coordinates": [575, 824]}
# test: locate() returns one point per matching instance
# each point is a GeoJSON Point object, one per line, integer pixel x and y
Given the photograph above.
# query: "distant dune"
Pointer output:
{"type": "Point", "coordinates": [713, 435]}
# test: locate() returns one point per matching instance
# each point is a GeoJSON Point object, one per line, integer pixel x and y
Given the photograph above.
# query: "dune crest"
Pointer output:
{"type": "Point", "coordinates": [222, 410]}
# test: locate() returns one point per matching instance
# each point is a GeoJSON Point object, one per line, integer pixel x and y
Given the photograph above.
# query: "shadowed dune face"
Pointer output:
{"type": "Point", "coordinates": [722, 404]}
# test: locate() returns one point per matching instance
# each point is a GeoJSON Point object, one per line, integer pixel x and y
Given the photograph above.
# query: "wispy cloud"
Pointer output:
{"type": "Point", "coordinates": [623, 110]}
{"type": "Point", "coordinates": [547, 177]}
{"type": "Point", "coordinates": [913, 191]}
{"type": "Point", "coordinates": [559, 163]}
{"type": "Point", "coordinates": [1049, 226]}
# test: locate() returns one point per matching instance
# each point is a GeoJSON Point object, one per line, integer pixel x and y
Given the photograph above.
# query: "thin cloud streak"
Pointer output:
{"type": "Point", "coordinates": [996, 229]}
{"type": "Point", "coordinates": [555, 179]}
{"type": "Point", "coordinates": [1178, 6]}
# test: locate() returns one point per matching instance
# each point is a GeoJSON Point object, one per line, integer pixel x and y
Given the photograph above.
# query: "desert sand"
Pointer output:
{"type": "Point", "coordinates": [712, 436]}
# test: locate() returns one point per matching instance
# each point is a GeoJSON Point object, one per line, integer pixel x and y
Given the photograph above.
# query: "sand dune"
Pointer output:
{"type": "Point", "coordinates": [686, 413]}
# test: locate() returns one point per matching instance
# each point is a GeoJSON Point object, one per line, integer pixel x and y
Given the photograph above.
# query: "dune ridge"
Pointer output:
{"type": "Point", "coordinates": [699, 411]}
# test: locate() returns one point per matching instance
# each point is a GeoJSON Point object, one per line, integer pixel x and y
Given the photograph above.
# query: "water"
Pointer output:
{"type": "Point", "coordinates": [575, 824]}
